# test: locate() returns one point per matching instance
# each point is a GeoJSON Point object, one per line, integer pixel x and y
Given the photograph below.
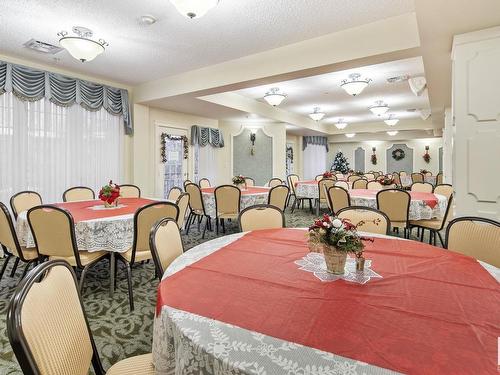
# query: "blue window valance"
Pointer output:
{"type": "Point", "coordinates": [314, 140]}
{"type": "Point", "coordinates": [203, 136]}
{"type": "Point", "coordinates": [30, 84]}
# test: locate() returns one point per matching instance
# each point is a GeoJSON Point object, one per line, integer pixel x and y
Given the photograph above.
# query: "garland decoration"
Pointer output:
{"type": "Point", "coordinates": [398, 154]}
{"type": "Point", "coordinates": [164, 137]}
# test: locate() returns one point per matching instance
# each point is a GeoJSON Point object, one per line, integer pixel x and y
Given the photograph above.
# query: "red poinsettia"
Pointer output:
{"type": "Point", "coordinates": [109, 193]}
{"type": "Point", "coordinates": [327, 174]}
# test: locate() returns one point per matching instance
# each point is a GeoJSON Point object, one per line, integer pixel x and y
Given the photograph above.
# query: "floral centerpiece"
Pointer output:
{"type": "Point", "coordinates": [327, 174]}
{"type": "Point", "coordinates": [358, 173]}
{"type": "Point", "coordinates": [240, 182]}
{"type": "Point", "coordinates": [335, 238]}
{"type": "Point", "coordinates": [109, 194]}
{"type": "Point", "coordinates": [385, 180]}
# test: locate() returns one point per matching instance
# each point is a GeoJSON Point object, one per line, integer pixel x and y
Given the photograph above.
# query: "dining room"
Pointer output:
{"type": "Point", "coordinates": [249, 187]}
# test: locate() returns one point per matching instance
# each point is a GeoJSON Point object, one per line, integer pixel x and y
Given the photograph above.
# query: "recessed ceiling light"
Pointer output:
{"type": "Point", "coordinates": [350, 135]}
{"type": "Point", "coordinates": [392, 132]}
{"type": "Point", "coordinates": [341, 124]}
{"type": "Point", "coordinates": [317, 115]}
{"type": "Point", "coordinates": [274, 97]}
{"type": "Point", "coordinates": [147, 20]}
{"type": "Point", "coordinates": [379, 108]}
{"type": "Point", "coordinates": [391, 120]}
{"type": "Point", "coordinates": [355, 85]}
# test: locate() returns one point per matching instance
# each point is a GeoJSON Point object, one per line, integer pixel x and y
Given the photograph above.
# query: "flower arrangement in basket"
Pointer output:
{"type": "Point", "coordinates": [335, 238]}
{"type": "Point", "coordinates": [327, 174]}
{"type": "Point", "coordinates": [385, 180]}
{"type": "Point", "coordinates": [109, 194]}
{"type": "Point", "coordinates": [240, 182]}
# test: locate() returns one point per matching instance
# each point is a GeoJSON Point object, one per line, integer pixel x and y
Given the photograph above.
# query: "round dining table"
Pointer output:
{"type": "Point", "coordinates": [96, 228]}
{"type": "Point", "coordinates": [261, 303]}
{"type": "Point", "coordinates": [249, 197]}
{"type": "Point", "coordinates": [407, 180]}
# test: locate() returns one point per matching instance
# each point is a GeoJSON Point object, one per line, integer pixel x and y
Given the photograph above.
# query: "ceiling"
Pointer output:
{"type": "Point", "coordinates": [175, 44]}
{"type": "Point", "coordinates": [325, 92]}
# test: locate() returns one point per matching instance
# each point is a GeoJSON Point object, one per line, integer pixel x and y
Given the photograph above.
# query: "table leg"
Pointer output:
{"type": "Point", "coordinates": [112, 265]}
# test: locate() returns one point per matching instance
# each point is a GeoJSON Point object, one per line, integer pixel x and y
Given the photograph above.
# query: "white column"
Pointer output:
{"type": "Point", "coordinates": [448, 147]}
{"type": "Point", "coordinates": [476, 113]}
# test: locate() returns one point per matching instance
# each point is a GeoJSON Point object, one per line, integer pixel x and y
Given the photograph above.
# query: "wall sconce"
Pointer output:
{"type": "Point", "coordinates": [426, 148]}
{"type": "Point", "coordinates": [252, 139]}
{"type": "Point", "coordinates": [374, 149]}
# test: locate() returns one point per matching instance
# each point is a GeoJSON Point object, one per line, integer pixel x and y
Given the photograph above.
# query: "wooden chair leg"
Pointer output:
{"type": "Point", "coordinates": [129, 282]}
{"type": "Point", "coordinates": [422, 230]}
{"type": "Point", "coordinates": [188, 223]}
{"type": "Point", "coordinates": [82, 277]}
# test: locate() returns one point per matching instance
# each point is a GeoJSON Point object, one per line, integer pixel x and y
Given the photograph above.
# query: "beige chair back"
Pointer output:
{"type": "Point", "coordinates": [339, 176]}
{"type": "Point", "coordinates": [78, 193]}
{"type": "Point", "coordinates": [174, 193]}
{"type": "Point", "coordinates": [292, 180]}
{"type": "Point", "coordinates": [376, 175]}
{"type": "Point", "coordinates": [439, 179]}
{"type": "Point", "coordinates": [249, 181]}
{"type": "Point", "coordinates": [395, 204]}
{"type": "Point", "coordinates": [318, 177]}
{"type": "Point", "coordinates": [323, 186]}
{"type": "Point", "coordinates": [53, 231]}
{"type": "Point", "coordinates": [227, 200]}
{"type": "Point", "coordinates": [130, 191]}
{"type": "Point", "coordinates": [395, 177]}
{"type": "Point", "coordinates": [353, 178]}
{"type": "Point", "coordinates": [274, 182]}
{"type": "Point", "coordinates": [23, 201]}
{"type": "Point", "coordinates": [368, 219]}
{"type": "Point", "coordinates": [278, 196]}
{"type": "Point", "coordinates": [144, 220]}
{"type": "Point", "coordinates": [183, 204]}
{"type": "Point", "coordinates": [422, 187]}
{"type": "Point", "coordinates": [187, 182]}
{"type": "Point", "coordinates": [166, 244]}
{"type": "Point", "coordinates": [47, 325]}
{"type": "Point", "coordinates": [403, 174]}
{"type": "Point", "coordinates": [417, 177]}
{"type": "Point", "coordinates": [8, 236]}
{"type": "Point", "coordinates": [338, 198]}
{"type": "Point", "coordinates": [195, 198]}
{"type": "Point", "coordinates": [374, 185]}
{"type": "Point", "coordinates": [204, 183]}
{"type": "Point", "coordinates": [360, 183]}
{"type": "Point", "coordinates": [369, 176]}
{"type": "Point", "coordinates": [476, 237]}
{"type": "Point", "coordinates": [261, 216]}
{"type": "Point", "coordinates": [342, 184]}
{"type": "Point", "coordinates": [444, 189]}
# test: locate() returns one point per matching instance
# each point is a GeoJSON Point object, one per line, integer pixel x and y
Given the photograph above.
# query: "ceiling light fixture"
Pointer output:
{"type": "Point", "coordinates": [391, 120]}
{"type": "Point", "coordinates": [392, 132]}
{"type": "Point", "coordinates": [194, 8]}
{"type": "Point", "coordinates": [81, 47]}
{"type": "Point", "coordinates": [274, 97]}
{"type": "Point", "coordinates": [317, 115]}
{"type": "Point", "coordinates": [379, 108]}
{"type": "Point", "coordinates": [355, 85]}
{"type": "Point", "coordinates": [341, 124]}
{"type": "Point", "coordinates": [350, 135]}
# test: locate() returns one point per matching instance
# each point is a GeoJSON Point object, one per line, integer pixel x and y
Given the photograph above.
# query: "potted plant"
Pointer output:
{"type": "Point", "coordinates": [109, 194]}
{"type": "Point", "coordinates": [240, 182]}
{"type": "Point", "coordinates": [335, 238]}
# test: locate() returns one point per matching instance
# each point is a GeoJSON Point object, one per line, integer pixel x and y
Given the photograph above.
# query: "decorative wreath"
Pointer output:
{"type": "Point", "coordinates": [398, 154]}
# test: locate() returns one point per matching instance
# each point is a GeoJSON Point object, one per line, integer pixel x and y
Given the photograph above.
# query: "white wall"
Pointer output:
{"type": "Point", "coordinates": [418, 146]}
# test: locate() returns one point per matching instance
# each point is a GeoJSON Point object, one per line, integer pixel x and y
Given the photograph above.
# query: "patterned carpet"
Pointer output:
{"type": "Point", "coordinates": [117, 332]}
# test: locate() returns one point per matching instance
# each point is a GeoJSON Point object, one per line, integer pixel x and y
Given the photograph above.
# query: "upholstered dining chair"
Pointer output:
{"type": "Point", "coordinates": [422, 187]}
{"type": "Point", "coordinates": [360, 183]}
{"type": "Point", "coordinates": [318, 177]}
{"type": "Point", "coordinates": [49, 331]}
{"type": "Point", "coordinates": [417, 177]}
{"type": "Point", "coordinates": [278, 196]}
{"type": "Point", "coordinates": [249, 181]}
{"type": "Point", "coordinates": [144, 219]}
{"type": "Point", "coordinates": [130, 191]}
{"type": "Point", "coordinates": [165, 243]}
{"type": "Point", "coordinates": [53, 230]}
{"type": "Point", "coordinates": [374, 221]}
{"type": "Point", "coordinates": [376, 175]}
{"type": "Point", "coordinates": [396, 179]}
{"type": "Point", "coordinates": [183, 203]}
{"type": "Point", "coordinates": [439, 178]}
{"type": "Point", "coordinates": [204, 183]}
{"type": "Point", "coordinates": [10, 245]}
{"type": "Point", "coordinates": [435, 226]}
{"type": "Point", "coordinates": [174, 193]}
{"type": "Point", "coordinates": [187, 182]}
{"type": "Point", "coordinates": [342, 184]}
{"type": "Point", "coordinates": [374, 185]}
{"type": "Point", "coordinates": [323, 186]}
{"type": "Point", "coordinates": [297, 201]}
{"type": "Point", "coordinates": [476, 237]}
{"type": "Point", "coordinates": [23, 201]}
{"type": "Point", "coordinates": [261, 216]}
{"type": "Point", "coordinates": [338, 198]}
{"type": "Point", "coordinates": [196, 209]}
{"type": "Point", "coordinates": [369, 176]}
{"type": "Point", "coordinates": [339, 176]}
{"type": "Point", "coordinates": [353, 178]}
{"type": "Point", "coordinates": [227, 205]}
{"type": "Point", "coordinates": [395, 203]}
{"type": "Point", "coordinates": [78, 193]}
{"type": "Point", "coordinates": [274, 182]}
{"type": "Point", "coordinates": [403, 174]}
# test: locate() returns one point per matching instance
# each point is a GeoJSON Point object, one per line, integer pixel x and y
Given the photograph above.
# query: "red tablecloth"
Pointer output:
{"type": "Point", "coordinates": [434, 311]}
{"type": "Point", "coordinates": [428, 198]}
{"type": "Point", "coordinates": [83, 210]}
{"type": "Point", "coordinates": [250, 190]}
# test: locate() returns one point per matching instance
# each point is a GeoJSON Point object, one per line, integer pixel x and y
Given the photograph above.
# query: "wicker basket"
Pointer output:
{"type": "Point", "coordinates": [335, 260]}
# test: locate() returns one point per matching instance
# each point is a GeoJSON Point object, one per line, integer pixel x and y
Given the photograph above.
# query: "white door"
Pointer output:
{"type": "Point", "coordinates": [173, 171]}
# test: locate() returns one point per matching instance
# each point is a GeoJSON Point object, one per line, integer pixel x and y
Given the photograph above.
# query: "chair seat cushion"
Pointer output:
{"type": "Point", "coordinates": [138, 365]}
{"type": "Point", "coordinates": [29, 253]}
{"type": "Point", "coordinates": [431, 224]}
{"type": "Point", "coordinates": [139, 255]}
{"type": "Point", "coordinates": [227, 216]}
{"type": "Point", "coordinates": [85, 257]}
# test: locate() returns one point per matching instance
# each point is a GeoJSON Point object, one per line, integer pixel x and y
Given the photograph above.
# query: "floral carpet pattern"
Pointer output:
{"type": "Point", "coordinates": [118, 332]}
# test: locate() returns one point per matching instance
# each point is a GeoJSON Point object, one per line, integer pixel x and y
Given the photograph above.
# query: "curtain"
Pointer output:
{"type": "Point", "coordinates": [205, 163]}
{"type": "Point", "coordinates": [31, 85]}
{"type": "Point", "coordinates": [48, 148]}
{"type": "Point", "coordinates": [204, 136]}
{"type": "Point", "coordinates": [314, 140]}
{"type": "Point", "coordinates": [314, 161]}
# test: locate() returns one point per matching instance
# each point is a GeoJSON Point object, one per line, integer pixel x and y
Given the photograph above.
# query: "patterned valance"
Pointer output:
{"type": "Point", "coordinates": [31, 85]}
{"type": "Point", "coordinates": [314, 140]}
{"type": "Point", "coordinates": [203, 136]}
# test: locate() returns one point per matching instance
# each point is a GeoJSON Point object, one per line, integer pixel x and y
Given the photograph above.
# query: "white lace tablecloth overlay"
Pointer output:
{"type": "Point", "coordinates": [407, 181]}
{"type": "Point", "coordinates": [247, 200]}
{"type": "Point", "coordinates": [306, 190]}
{"type": "Point", "coordinates": [186, 343]}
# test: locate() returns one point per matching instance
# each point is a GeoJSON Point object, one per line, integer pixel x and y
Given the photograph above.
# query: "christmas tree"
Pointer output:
{"type": "Point", "coordinates": [340, 163]}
